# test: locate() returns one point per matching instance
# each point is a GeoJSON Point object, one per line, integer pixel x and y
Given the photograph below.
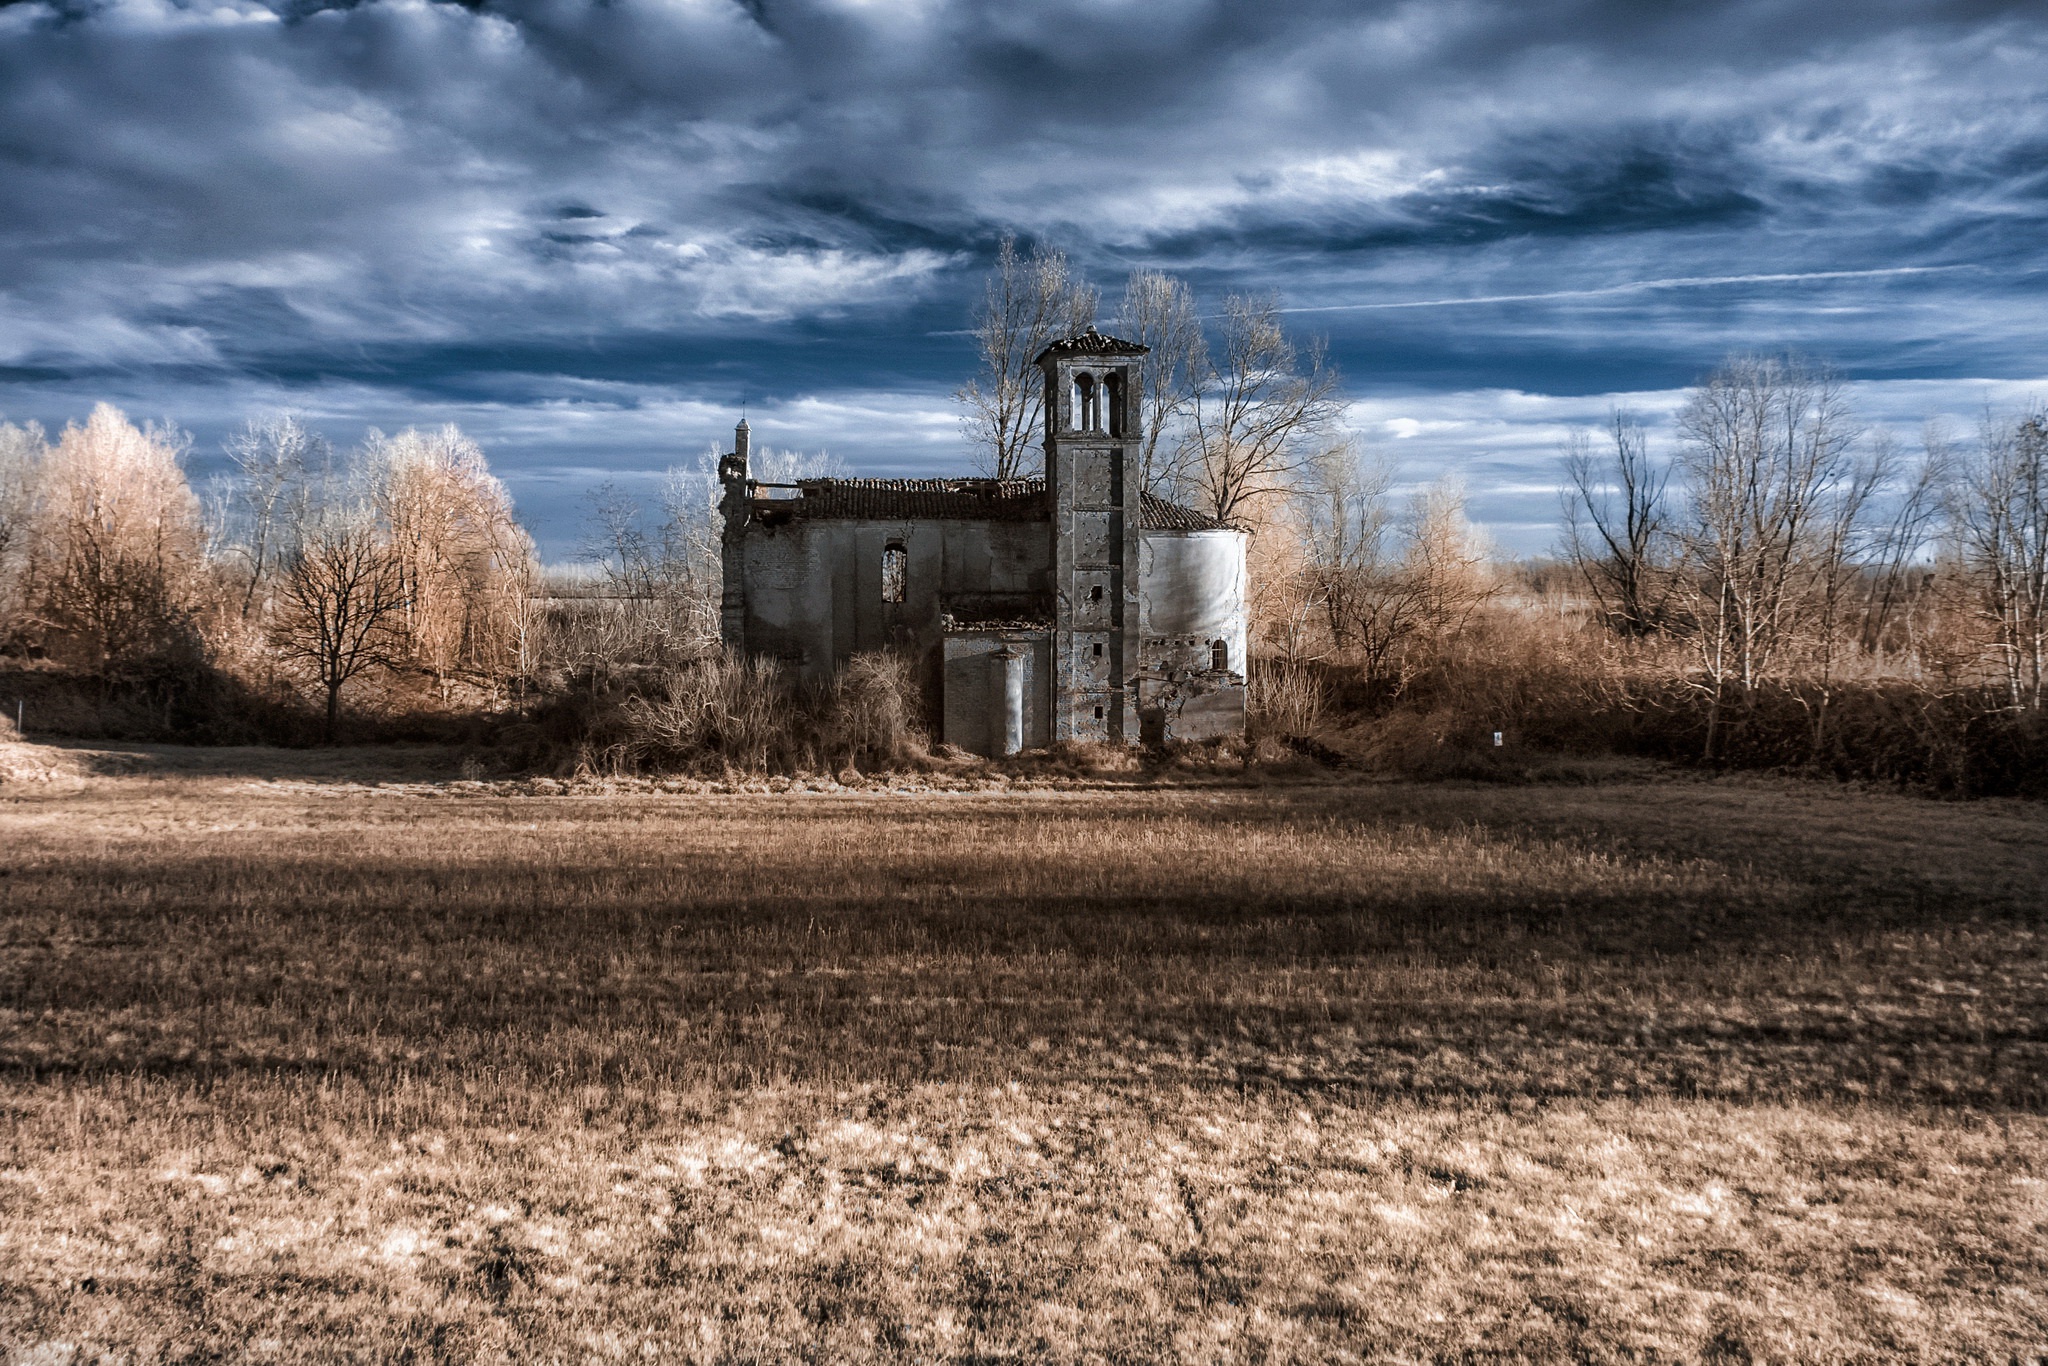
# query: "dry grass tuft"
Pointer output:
{"type": "Point", "coordinates": [1702, 1070]}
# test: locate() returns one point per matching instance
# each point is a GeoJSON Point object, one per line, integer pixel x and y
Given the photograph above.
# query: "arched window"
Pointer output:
{"type": "Point", "coordinates": [895, 571]}
{"type": "Point", "coordinates": [1113, 404]}
{"type": "Point", "coordinates": [1219, 655]}
{"type": "Point", "coordinates": [1087, 404]}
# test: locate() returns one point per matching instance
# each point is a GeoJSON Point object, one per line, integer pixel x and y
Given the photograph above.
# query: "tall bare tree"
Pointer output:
{"type": "Point", "coordinates": [1158, 311]}
{"type": "Point", "coordinates": [340, 595]}
{"type": "Point", "coordinates": [1026, 303]}
{"type": "Point", "coordinates": [1895, 572]}
{"type": "Point", "coordinates": [22, 450]}
{"type": "Point", "coordinates": [1345, 524]}
{"type": "Point", "coordinates": [273, 456]}
{"type": "Point", "coordinates": [465, 566]}
{"type": "Point", "coordinates": [1258, 410]}
{"type": "Point", "coordinates": [1999, 513]}
{"type": "Point", "coordinates": [1767, 446]}
{"type": "Point", "coordinates": [1616, 532]}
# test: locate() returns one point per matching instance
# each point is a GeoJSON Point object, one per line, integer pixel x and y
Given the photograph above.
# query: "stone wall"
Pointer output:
{"type": "Point", "coordinates": [814, 588]}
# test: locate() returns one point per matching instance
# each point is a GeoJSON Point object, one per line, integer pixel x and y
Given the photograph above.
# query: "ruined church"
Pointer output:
{"type": "Point", "coordinates": [1073, 607]}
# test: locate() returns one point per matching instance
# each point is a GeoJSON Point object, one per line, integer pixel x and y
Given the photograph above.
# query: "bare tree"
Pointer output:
{"type": "Point", "coordinates": [662, 562]}
{"type": "Point", "coordinates": [1027, 303]}
{"type": "Point", "coordinates": [1615, 525]}
{"type": "Point", "coordinates": [22, 450]}
{"type": "Point", "coordinates": [465, 566]}
{"type": "Point", "coordinates": [1446, 564]}
{"type": "Point", "coordinates": [1767, 445]}
{"type": "Point", "coordinates": [273, 456]}
{"type": "Point", "coordinates": [1392, 590]}
{"type": "Point", "coordinates": [691, 548]}
{"type": "Point", "coordinates": [1895, 572]}
{"type": "Point", "coordinates": [618, 539]}
{"type": "Point", "coordinates": [118, 539]}
{"type": "Point", "coordinates": [1258, 411]}
{"type": "Point", "coordinates": [1844, 545]}
{"type": "Point", "coordinates": [1999, 515]}
{"type": "Point", "coordinates": [341, 593]}
{"type": "Point", "coordinates": [1158, 312]}
{"type": "Point", "coordinates": [1345, 523]}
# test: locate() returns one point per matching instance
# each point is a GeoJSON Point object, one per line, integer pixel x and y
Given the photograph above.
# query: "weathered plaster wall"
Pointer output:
{"type": "Point", "coordinates": [1191, 588]}
{"type": "Point", "coordinates": [814, 588]}
{"type": "Point", "coordinates": [974, 702]}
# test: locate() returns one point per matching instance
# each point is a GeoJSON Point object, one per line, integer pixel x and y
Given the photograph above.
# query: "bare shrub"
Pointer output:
{"type": "Point", "coordinates": [721, 713]}
{"type": "Point", "coordinates": [871, 716]}
{"type": "Point", "coordinates": [1284, 696]}
{"type": "Point", "coordinates": [709, 714]}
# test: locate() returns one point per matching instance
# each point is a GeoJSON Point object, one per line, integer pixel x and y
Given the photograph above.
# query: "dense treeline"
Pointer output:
{"type": "Point", "coordinates": [1779, 587]}
{"type": "Point", "coordinates": [399, 566]}
{"type": "Point", "coordinates": [389, 592]}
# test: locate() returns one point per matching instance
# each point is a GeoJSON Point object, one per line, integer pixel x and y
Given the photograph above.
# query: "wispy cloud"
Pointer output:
{"type": "Point", "coordinates": [1633, 287]}
{"type": "Point", "coordinates": [487, 209]}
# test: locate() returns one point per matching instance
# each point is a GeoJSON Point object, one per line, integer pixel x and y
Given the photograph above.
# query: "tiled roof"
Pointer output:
{"type": "Point", "coordinates": [1159, 515]}
{"type": "Point", "coordinates": [894, 500]}
{"type": "Point", "coordinates": [975, 500]}
{"type": "Point", "coordinates": [1092, 343]}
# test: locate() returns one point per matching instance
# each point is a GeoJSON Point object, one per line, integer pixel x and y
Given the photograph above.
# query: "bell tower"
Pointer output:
{"type": "Point", "coordinates": [1092, 483]}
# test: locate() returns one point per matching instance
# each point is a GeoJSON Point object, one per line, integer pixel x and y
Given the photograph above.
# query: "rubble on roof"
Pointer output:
{"type": "Point", "coordinates": [983, 500]}
{"type": "Point", "coordinates": [980, 500]}
{"type": "Point", "coordinates": [1092, 343]}
{"type": "Point", "coordinates": [995, 612]}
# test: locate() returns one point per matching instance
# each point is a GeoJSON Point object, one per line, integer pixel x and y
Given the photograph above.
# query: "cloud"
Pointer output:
{"type": "Point", "coordinates": [490, 207]}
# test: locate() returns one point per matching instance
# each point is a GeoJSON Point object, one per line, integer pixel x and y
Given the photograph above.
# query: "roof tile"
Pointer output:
{"type": "Point", "coordinates": [978, 500]}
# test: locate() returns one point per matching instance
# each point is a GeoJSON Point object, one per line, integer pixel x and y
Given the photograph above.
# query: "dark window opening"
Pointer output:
{"type": "Point", "coordinates": [1098, 713]}
{"type": "Point", "coordinates": [895, 572]}
{"type": "Point", "coordinates": [1087, 404]}
{"type": "Point", "coordinates": [1219, 655]}
{"type": "Point", "coordinates": [1113, 401]}
{"type": "Point", "coordinates": [1098, 649]}
{"type": "Point", "coordinates": [1095, 593]}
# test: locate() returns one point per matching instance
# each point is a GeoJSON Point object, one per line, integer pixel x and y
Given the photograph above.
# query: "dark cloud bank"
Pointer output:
{"type": "Point", "coordinates": [589, 231]}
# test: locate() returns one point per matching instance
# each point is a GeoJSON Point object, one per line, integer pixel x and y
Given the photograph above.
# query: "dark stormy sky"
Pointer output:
{"type": "Point", "coordinates": [588, 231]}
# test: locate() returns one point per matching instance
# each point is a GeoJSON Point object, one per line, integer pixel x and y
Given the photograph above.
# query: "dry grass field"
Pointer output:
{"type": "Point", "coordinates": [1655, 1069]}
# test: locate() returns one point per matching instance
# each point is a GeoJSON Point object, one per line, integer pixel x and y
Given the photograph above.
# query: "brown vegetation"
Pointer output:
{"type": "Point", "coordinates": [1682, 1070]}
{"type": "Point", "coordinates": [1781, 589]}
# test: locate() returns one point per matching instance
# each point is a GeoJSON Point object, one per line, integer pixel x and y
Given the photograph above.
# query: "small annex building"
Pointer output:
{"type": "Point", "coordinates": [1072, 607]}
